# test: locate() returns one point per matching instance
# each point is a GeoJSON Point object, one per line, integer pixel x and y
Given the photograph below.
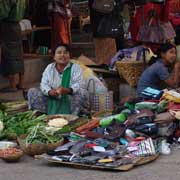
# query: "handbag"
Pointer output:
{"type": "Point", "coordinates": [169, 32]}
{"type": "Point", "coordinates": [115, 130]}
{"type": "Point", "coordinates": [103, 6]}
{"type": "Point", "coordinates": [111, 26]}
{"type": "Point", "coordinates": [158, 32]}
{"type": "Point", "coordinates": [100, 101]}
{"type": "Point", "coordinates": [144, 116]}
{"type": "Point", "coordinates": [164, 117]}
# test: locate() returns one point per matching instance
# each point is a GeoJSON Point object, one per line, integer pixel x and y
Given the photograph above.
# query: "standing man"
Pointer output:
{"type": "Point", "coordinates": [12, 65]}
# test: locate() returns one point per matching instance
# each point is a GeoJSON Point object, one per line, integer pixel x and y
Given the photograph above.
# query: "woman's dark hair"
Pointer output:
{"type": "Point", "coordinates": [64, 45]}
{"type": "Point", "coordinates": [165, 47]}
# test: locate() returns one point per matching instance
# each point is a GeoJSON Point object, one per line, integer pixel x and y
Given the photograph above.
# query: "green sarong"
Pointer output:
{"type": "Point", "coordinates": [62, 105]}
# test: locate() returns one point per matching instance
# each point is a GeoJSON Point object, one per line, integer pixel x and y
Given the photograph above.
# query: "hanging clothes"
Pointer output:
{"type": "Point", "coordinates": [136, 21]}
{"type": "Point", "coordinates": [60, 19]}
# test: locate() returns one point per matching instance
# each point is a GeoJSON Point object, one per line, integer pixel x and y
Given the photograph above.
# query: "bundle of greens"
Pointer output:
{"type": "Point", "coordinates": [14, 107]}
{"type": "Point", "coordinates": [39, 134]}
{"type": "Point", "coordinates": [19, 123]}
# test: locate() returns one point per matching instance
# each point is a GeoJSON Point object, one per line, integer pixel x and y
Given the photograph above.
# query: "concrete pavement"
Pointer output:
{"type": "Point", "coordinates": [164, 168]}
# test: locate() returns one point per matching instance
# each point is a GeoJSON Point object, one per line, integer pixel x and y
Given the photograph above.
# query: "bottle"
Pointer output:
{"type": "Point", "coordinates": [121, 117]}
{"type": "Point", "coordinates": [108, 120]}
{"type": "Point", "coordinates": [164, 147]}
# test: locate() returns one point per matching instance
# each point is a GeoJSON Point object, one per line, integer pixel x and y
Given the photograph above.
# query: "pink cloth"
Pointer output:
{"type": "Point", "coordinates": [135, 22]}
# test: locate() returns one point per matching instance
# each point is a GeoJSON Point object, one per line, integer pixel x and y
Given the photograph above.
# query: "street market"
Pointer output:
{"type": "Point", "coordinates": [115, 111]}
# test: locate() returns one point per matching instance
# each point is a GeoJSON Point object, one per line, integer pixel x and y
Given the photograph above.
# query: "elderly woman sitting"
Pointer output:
{"type": "Point", "coordinates": [62, 88]}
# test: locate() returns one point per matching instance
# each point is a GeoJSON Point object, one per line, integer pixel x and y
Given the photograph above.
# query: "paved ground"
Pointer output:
{"type": "Point", "coordinates": [164, 168]}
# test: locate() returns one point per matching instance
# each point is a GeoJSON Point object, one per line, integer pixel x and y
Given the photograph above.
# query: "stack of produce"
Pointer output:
{"type": "Point", "coordinates": [13, 126]}
{"type": "Point", "coordinates": [14, 107]}
{"type": "Point", "coordinates": [39, 140]}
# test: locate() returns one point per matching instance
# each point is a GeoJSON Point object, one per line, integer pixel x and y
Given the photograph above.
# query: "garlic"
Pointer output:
{"type": "Point", "coordinates": [58, 122]}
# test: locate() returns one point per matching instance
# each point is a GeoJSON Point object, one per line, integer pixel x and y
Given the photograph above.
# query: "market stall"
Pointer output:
{"type": "Point", "coordinates": [133, 134]}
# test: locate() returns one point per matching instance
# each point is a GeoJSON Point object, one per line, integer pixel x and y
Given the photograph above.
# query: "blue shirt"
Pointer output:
{"type": "Point", "coordinates": [153, 76]}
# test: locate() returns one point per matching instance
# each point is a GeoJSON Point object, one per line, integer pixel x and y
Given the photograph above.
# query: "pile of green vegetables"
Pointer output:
{"type": "Point", "coordinates": [14, 107]}
{"type": "Point", "coordinates": [40, 134]}
{"type": "Point", "coordinates": [19, 123]}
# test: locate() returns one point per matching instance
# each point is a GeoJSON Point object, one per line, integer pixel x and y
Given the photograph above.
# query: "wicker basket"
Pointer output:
{"type": "Point", "coordinates": [52, 146]}
{"type": "Point", "coordinates": [13, 157]}
{"type": "Point", "coordinates": [130, 70]}
{"type": "Point", "coordinates": [36, 149]}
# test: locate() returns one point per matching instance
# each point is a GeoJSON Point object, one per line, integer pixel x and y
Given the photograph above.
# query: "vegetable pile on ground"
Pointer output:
{"type": "Point", "coordinates": [14, 107]}
{"type": "Point", "coordinates": [18, 124]}
{"type": "Point", "coordinates": [40, 134]}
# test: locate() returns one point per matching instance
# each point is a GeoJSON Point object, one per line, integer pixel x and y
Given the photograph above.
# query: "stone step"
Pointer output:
{"type": "Point", "coordinates": [33, 70]}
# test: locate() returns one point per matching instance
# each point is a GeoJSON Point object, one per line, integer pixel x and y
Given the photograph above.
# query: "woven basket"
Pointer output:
{"type": "Point", "coordinates": [52, 146]}
{"type": "Point", "coordinates": [130, 70]}
{"type": "Point", "coordinates": [36, 149]}
{"type": "Point", "coordinates": [13, 157]}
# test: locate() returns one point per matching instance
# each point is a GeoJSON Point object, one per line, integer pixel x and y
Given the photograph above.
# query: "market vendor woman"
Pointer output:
{"type": "Point", "coordinates": [158, 72]}
{"type": "Point", "coordinates": [62, 87]}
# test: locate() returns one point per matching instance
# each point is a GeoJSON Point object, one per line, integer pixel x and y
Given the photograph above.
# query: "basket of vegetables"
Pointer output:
{"type": "Point", "coordinates": [11, 154]}
{"type": "Point", "coordinates": [39, 140]}
{"type": "Point", "coordinates": [16, 125]}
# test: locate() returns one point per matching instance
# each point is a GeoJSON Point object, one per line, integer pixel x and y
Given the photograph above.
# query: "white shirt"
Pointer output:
{"type": "Point", "coordinates": [51, 79]}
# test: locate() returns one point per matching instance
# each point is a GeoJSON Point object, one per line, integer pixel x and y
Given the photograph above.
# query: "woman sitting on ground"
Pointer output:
{"type": "Point", "coordinates": [62, 88]}
{"type": "Point", "coordinates": [158, 72]}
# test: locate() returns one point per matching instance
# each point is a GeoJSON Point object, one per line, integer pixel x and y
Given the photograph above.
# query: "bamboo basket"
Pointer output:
{"type": "Point", "coordinates": [130, 70]}
{"type": "Point", "coordinates": [36, 149]}
{"type": "Point", "coordinates": [13, 157]}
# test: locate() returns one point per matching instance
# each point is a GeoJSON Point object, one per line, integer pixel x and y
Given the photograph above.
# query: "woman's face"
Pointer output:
{"type": "Point", "coordinates": [62, 56]}
{"type": "Point", "coordinates": [169, 56]}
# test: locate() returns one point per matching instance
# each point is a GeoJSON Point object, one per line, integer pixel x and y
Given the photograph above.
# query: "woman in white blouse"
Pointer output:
{"type": "Point", "coordinates": [62, 88]}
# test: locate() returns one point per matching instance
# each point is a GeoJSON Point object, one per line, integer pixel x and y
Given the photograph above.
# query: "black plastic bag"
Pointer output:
{"type": "Point", "coordinates": [111, 26]}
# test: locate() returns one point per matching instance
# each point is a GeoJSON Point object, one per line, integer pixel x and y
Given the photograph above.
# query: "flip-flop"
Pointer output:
{"type": "Point", "coordinates": [8, 89]}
